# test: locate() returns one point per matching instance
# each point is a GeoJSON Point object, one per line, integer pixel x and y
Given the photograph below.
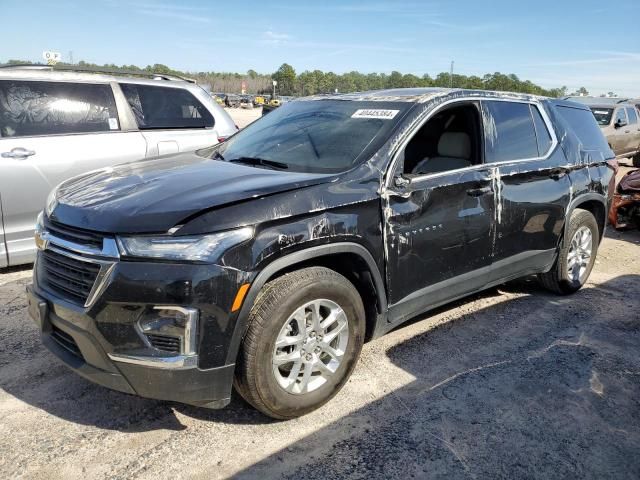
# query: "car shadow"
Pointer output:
{"type": "Point", "coordinates": [536, 386]}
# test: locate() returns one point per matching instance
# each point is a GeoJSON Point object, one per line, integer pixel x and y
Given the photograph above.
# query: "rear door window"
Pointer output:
{"type": "Point", "coordinates": [166, 108]}
{"type": "Point", "coordinates": [584, 125]}
{"type": "Point", "coordinates": [542, 133]}
{"type": "Point", "coordinates": [33, 108]}
{"type": "Point", "coordinates": [633, 117]}
{"type": "Point", "coordinates": [509, 131]}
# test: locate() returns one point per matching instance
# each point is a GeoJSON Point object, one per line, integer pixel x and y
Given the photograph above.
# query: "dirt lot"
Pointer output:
{"type": "Point", "coordinates": [244, 117]}
{"type": "Point", "coordinates": [511, 383]}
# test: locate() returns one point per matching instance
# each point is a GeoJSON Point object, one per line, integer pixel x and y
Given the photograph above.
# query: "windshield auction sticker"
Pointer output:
{"type": "Point", "coordinates": [375, 113]}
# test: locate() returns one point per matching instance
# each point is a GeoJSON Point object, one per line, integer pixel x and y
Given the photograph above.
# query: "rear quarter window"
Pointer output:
{"type": "Point", "coordinates": [166, 108]}
{"type": "Point", "coordinates": [584, 125]}
{"type": "Point", "coordinates": [34, 108]}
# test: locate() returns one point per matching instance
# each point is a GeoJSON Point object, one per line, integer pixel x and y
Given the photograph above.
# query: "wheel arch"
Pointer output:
{"type": "Point", "coordinates": [350, 259]}
{"type": "Point", "coordinates": [592, 202]}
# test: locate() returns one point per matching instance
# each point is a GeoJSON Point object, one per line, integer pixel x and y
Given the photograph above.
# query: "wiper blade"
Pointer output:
{"type": "Point", "coordinates": [260, 162]}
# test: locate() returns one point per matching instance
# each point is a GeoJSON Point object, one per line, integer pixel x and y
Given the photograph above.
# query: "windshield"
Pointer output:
{"type": "Point", "coordinates": [318, 136]}
{"type": "Point", "coordinates": [603, 115]}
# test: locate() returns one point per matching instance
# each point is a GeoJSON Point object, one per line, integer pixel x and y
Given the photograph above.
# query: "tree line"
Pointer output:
{"type": "Point", "coordinates": [317, 81]}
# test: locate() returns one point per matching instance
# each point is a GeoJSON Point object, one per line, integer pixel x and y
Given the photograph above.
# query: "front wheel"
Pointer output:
{"type": "Point", "coordinates": [305, 335]}
{"type": "Point", "coordinates": [576, 256]}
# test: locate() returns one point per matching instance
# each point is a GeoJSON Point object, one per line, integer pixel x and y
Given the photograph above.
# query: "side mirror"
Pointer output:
{"type": "Point", "coordinates": [620, 123]}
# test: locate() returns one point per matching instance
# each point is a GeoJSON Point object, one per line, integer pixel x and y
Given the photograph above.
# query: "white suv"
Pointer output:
{"type": "Point", "coordinates": [56, 124]}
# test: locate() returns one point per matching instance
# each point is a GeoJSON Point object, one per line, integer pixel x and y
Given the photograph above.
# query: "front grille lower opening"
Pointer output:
{"type": "Point", "coordinates": [65, 340]}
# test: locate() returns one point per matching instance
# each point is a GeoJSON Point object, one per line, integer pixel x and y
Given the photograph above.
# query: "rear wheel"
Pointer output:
{"type": "Point", "coordinates": [576, 256]}
{"type": "Point", "coordinates": [305, 335]}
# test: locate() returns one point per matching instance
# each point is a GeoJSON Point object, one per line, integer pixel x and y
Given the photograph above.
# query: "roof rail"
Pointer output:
{"type": "Point", "coordinates": [106, 70]}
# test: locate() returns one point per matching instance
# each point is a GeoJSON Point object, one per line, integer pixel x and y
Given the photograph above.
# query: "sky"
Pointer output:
{"type": "Point", "coordinates": [595, 44]}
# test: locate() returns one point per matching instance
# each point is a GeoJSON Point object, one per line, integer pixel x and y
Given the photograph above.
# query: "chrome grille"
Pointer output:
{"type": "Point", "coordinates": [70, 277]}
{"type": "Point", "coordinates": [75, 235]}
{"type": "Point", "coordinates": [74, 264]}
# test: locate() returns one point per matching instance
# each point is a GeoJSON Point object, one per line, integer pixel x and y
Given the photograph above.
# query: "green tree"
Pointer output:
{"type": "Point", "coordinates": [286, 78]}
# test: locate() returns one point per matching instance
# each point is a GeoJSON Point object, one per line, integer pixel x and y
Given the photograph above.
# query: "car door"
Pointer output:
{"type": "Point", "coordinates": [52, 131]}
{"type": "Point", "coordinates": [533, 186]}
{"type": "Point", "coordinates": [438, 233]}
{"type": "Point", "coordinates": [619, 138]}
{"type": "Point", "coordinates": [634, 129]}
{"type": "Point", "coordinates": [171, 118]}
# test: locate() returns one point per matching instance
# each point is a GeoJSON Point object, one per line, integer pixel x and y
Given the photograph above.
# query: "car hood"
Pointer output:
{"type": "Point", "coordinates": [156, 195]}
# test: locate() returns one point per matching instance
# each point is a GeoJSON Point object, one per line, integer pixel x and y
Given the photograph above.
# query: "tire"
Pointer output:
{"type": "Point", "coordinates": [560, 279]}
{"type": "Point", "coordinates": [278, 311]}
{"type": "Point", "coordinates": [635, 160]}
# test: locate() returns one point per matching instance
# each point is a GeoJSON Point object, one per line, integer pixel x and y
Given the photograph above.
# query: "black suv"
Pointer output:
{"type": "Point", "coordinates": [266, 261]}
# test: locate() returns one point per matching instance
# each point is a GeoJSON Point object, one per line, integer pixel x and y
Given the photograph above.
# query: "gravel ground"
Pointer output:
{"type": "Point", "coordinates": [511, 383]}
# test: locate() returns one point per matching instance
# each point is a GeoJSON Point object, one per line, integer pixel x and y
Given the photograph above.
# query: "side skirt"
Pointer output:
{"type": "Point", "coordinates": [433, 296]}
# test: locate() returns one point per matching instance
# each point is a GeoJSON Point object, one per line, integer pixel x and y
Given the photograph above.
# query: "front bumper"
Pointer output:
{"type": "Point", "coordinates": [101, 343]}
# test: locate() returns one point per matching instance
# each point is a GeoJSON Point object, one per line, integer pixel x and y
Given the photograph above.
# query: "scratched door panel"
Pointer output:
{"type": "Point", "coordinates": [439, 229]}
{"type": "Point", "coordinates": [534, 195]}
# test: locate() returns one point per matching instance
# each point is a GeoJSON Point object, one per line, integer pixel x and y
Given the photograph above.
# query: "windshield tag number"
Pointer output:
{"type": "Point", "coordinates": [375, 113]}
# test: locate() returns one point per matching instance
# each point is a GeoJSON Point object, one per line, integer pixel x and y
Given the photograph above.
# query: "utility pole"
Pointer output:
{"type": "Point", "coordinates": [71, 57]}
{"type": "Point", "coordinates": [451, 76]}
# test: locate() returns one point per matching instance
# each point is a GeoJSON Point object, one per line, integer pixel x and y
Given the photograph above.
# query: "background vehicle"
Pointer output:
{"type": "Point", "coordinates": [56, 124]}
{"type": "Point", "coordinates": [331, 220]}
{"type": "Point", "coordinates": [625, 209]}
{"type": "Point", "coordinates": [246, 101]}
{"type": "Point", "coordinates": [232, 101]}
{"type": "Point", "coordinates": [619, 120]}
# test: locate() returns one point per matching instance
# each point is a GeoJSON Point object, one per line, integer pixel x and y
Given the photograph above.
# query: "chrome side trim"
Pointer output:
{"type": "Point", "coordinates": [176, 362]}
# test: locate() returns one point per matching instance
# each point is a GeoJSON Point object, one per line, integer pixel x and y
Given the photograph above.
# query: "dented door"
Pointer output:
{"type": "Point", "coordinates": [532, 186]}
{"type": "Point", "coordinates": [438, 235]}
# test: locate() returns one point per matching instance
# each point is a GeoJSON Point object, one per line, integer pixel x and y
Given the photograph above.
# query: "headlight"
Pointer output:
{"type": "Point", "coordinates": [201, 248]}
{"type": "Point", "coordinates": [52, 201]}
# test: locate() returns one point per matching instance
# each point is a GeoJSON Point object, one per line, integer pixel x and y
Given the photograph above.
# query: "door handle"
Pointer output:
{"type": "Point", "coordinates": [557, 173]}
{"type": "Point", "coordinates": [18, 153]}
{"type": "Point", "coordinates": [477, 192]}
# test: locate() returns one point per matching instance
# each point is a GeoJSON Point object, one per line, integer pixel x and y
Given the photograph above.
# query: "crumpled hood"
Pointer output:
{"type": "Point", "coordinates": [156, 195]}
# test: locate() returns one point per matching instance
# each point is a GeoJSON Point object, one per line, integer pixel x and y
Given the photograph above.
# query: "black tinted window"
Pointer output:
{"type": "Point", "coordinates": [324, 136]}
{"type": "Point", "coordinates": [602, 115]}
{"type": "Point", "coordinates": [509, 131]}
{"type": "Point", "coordinates": [631, 113]}
{"type": "Point", "coordinates": [620, 116]}
{"type": "Point", "coordinates": [48, 108]}
{"type": "Point", "coordinates": [584, 125]}
{"type": "Point", "coordinates": [542, 133]}
{"type": "Point", "coordinates": [164, 107]}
